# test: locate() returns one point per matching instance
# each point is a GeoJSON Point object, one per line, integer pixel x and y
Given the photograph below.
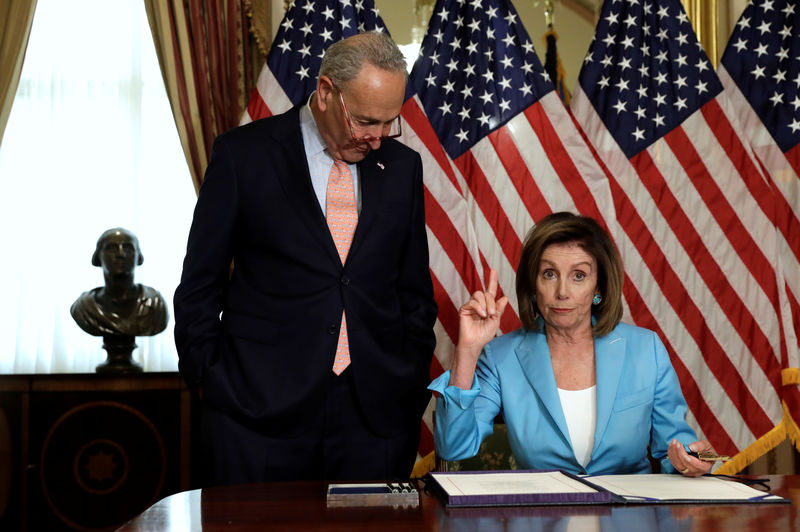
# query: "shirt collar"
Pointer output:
{"type": "Point", "coordinates": [314, 143]}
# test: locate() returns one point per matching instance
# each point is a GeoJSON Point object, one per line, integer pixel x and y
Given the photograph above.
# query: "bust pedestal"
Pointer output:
{"type": "Point", "coordinates": [119, 359]}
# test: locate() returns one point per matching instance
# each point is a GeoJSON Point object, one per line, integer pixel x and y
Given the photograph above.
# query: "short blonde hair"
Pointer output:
{"type": "Point", "coordinates": [566, 227]}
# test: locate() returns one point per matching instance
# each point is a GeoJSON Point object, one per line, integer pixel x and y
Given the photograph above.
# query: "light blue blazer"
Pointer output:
{"type": "Point", "coordinates": [639, 403]}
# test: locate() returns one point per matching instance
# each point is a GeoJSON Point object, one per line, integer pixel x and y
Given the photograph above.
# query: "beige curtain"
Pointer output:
{"type": "Point", "coordinates": [704, 17]}
{"type": "Point", "coordinates": [210, 63]}
{"type": "Point", "coordinates": [16, 17]}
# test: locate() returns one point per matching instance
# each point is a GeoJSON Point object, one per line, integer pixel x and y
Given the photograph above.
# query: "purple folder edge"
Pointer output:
{"type": "Point", "coordinates": [601, 496]}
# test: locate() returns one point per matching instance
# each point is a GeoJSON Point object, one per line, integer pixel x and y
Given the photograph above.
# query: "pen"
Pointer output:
{"type": "Point", "coordinates": [708, 456]}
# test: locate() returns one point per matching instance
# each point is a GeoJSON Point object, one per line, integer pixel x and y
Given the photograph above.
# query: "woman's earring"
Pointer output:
{"type": "Point", "coordinates": [597, 299]}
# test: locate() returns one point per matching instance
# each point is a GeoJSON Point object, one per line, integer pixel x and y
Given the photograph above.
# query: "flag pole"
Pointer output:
{"type": "Point", "coordinates": [703, 14]}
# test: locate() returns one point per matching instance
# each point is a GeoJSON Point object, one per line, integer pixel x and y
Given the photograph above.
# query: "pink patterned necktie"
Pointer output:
{"type": "Point", "coordinates": [342, 217]}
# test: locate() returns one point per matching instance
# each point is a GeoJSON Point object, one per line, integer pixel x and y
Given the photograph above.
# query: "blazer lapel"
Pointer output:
{"type": "Point", "coordinates": [609, 352]}
{"type": "Point", "coordinates": [372, 175]}
{"type": "Point", "coordinates": [533, 354]}
{"type": "Point", "coordinates": [296, 183]}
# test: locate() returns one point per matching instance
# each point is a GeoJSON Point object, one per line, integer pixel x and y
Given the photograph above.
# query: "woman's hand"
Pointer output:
{"type": "Point", "coordinates": [689, 465]}
{"type": "Point", "coordinates": [478, 322]}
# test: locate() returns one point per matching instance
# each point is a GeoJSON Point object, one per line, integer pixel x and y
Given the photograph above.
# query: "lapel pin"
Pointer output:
{"type": "Point", "coordinates": [380, 165]}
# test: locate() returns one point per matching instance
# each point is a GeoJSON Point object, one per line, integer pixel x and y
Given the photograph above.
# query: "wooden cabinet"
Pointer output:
{"type": "Point", "coordinates": [88, 452]}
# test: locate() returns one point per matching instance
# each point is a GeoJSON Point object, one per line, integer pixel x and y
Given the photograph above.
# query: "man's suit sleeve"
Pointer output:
{"type": "Point", "coordinates": [206, 267]}
{"type": "Point", "coordinates": [416, 292]}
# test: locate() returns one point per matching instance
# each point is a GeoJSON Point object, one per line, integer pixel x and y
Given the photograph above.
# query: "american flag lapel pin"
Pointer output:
{"type": "Point", "coordinates": [380, 165]}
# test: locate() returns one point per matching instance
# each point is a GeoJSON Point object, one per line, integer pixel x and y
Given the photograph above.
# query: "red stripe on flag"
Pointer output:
{"type": "Point", "coordinates": [416, 118]}
{"type": "Point", "coordinates": [442, 227]}
{"type": "Point", "coordinates": [256, 107]}
{"type": "Point", "coordinates": [436, 368]}
{"type": "Point", "coordinates": [715, 279]}
{"type": "Point", "coordinates": [518, 173]}
{"type": "Point", "coordinates": [509, 321]}
{"type": "Point", "coordinates": [490, 206]}
{"type": "Point", "coordinates": [739, 237]}
{"type": "Point", "coordinates": [448, 313]}
{"type": "Point", "coordinates": [785, 219]}
{"type": "Point", "coordinates": [794, 308]}
{"type": "Point", "coordinates": [738, 155]}
{"type": "Point", "coordinates": [561, 161]}
{"type": "Point", "coordinates": [671, 287]}
{"type": "Point", "coordinates": [787, 223]}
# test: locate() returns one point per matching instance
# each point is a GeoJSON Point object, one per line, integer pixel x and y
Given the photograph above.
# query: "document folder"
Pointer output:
{"type": "Point", "coordinates": [516, 488]}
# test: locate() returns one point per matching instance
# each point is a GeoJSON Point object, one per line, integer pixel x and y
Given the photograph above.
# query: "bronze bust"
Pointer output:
{"type": "Point", "coordinates": [122, 309]}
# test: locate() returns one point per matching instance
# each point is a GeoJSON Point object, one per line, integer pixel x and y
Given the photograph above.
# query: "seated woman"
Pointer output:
{"type": "Point", "coordinates": [579, 390]}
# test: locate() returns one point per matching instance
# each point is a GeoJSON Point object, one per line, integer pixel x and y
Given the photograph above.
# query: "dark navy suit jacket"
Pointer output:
{"type": "Point", "coordinates": [261, 337]}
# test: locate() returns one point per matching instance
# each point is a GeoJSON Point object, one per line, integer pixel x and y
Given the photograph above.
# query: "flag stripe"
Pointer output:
{"type": "Point", "coordinates": [450, 240]}
{"type": "Point", "coordinates": [268, 98]}
{"type": "Point", "coordinates": [414, 115]}
{"type": "Point", "coordinates": [794, 309]}
{"type": "Point", "coordinates": [736, 151]}
{"type": "Point", "coordinates": [518, 174]}
{"type": "Point", "coordinates": [787, 223]}
{"type": "Point", "coordinates": [704, 263]}
{"type": "Point", "coordinates": [448, 313]}
{"type": "Point", "coordinates": [553, 146]}
{"type": "Point", "coordinates": [256, 107]}
{"type": "Point", "coordinates": [509, 321]}
{"type": "Point", "coordinates": [489, 205]}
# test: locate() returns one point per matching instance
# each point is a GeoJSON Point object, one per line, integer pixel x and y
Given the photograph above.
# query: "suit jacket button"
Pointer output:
{"type": "Point", "coordinates": [333, 329]}
{"type": "Point", "coordinates": [345, 280]}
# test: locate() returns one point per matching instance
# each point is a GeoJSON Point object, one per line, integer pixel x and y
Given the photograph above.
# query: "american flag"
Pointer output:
{"type": "Point", "coordinates": [761, 75]}
{"type": "Point", "coordinates": [495, 138]}
{"type": "Point", "coordinates": [695, 216]}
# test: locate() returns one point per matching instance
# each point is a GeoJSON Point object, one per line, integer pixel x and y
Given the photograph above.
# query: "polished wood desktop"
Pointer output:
{"type": "Point", "coordinates": [301, 506]}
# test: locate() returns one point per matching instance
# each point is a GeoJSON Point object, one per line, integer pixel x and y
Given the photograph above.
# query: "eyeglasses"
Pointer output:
{"type": "Point", "coordinates": [395, 129]}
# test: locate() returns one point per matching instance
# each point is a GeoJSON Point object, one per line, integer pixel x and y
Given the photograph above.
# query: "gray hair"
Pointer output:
{"type": "Point", "coordinates": [344, 59]}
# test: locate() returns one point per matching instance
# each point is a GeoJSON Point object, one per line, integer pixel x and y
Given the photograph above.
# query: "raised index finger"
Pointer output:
{"type": "Point", "coordinates": [492, 288]}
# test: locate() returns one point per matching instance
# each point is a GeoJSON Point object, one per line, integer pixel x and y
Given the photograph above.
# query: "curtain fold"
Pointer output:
{"type": "Point", "coordinates": [705, 20]}
{"type": "Point", "coordinates": [16, 18]}
{"type": "Point", "coordinates": [207, 59]}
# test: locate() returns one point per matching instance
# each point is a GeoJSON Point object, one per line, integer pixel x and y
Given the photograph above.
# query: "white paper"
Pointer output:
{"type": "Point", "coordinates": [675, 487]}
{"type": "Point", "coordinates": [464, 484]}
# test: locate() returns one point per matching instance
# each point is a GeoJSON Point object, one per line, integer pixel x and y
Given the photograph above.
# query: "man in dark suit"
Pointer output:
{"type": "Point", "coordinates": [312, 354]}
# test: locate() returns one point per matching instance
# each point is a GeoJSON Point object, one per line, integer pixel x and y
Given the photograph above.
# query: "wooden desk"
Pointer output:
{"type": "Point", "coordinates": [300, 506]}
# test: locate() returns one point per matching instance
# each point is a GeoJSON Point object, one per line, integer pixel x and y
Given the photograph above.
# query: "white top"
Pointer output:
{"type": "Point", "coordinates": [580, 411]}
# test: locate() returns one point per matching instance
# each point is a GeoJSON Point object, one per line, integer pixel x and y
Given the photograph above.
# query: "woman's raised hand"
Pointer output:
{"type": "Point", "coordinates": [478, 322]}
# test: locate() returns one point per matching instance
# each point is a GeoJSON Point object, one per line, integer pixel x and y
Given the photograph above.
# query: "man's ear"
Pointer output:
{"type": "Point", "coordinates": [325, 92]}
